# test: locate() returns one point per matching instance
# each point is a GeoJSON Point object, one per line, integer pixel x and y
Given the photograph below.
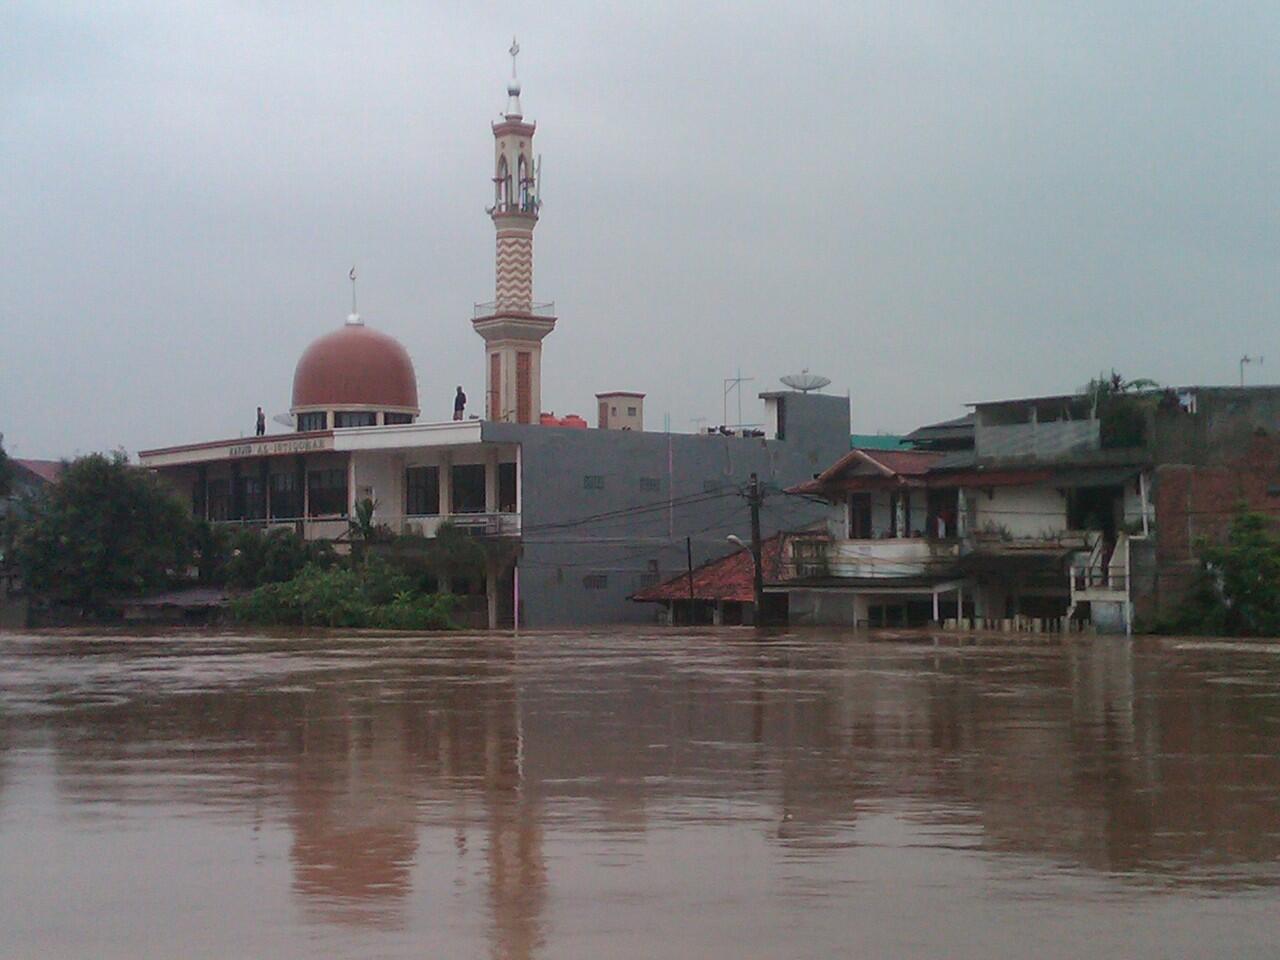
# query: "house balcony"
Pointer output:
{"type": "Point", "coordinates": [885, 559]}
{"type": "Point", "coordinates": [335, 527]}
{"type": "Point", "coordinates": [481, 524]}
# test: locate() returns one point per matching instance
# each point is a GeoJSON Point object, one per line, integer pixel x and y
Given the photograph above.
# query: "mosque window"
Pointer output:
{"type": "Point", "coordinates": [354, 418]}
{"type": "Point", "coordinates": [507, 487]}
{"type": "Point", "coordinates": [468, 488]}
{"type": "Point", "coordinates": [397, 418]}
{"type": "Point", "coordinates": [327, 492]}
{"type": "Point", "coordinates": [251, 496]}
{"type": "Point", "coordinates": [312, 421]}
{"type": "Point", "coordinates": [422, 491]}
{"type": "Point", "coordinates": [286, 497]}
{"type": "Point", "coordinates": [219, 499]}
{"type": "Point", "coordinates": [595, 581]}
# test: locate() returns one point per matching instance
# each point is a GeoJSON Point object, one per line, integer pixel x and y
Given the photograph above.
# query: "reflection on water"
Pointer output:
{"type": "Point", "coordinates": [635, 795]}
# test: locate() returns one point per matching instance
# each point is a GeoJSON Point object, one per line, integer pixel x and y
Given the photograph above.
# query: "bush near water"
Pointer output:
{"type": "Point", "coordinates": [368, 594]}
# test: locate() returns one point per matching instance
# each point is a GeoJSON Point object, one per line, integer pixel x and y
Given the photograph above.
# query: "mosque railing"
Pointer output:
{"type": "Point", "coordinates": [546, 310]}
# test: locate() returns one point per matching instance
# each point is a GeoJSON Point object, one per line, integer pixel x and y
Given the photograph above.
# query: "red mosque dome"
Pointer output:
{"type": "Point", "coordinates": [355, 367]}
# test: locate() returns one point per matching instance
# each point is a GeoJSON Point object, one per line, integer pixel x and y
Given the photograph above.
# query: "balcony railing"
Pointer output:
{"type": "Point", "coordinates": [329, 528]}
{"type": "Point", "coordinates": [546, 311]}
{"type": "Point", "coordinates": [861, 559]}
{"type": "Point", "coordinates": [484, 524]}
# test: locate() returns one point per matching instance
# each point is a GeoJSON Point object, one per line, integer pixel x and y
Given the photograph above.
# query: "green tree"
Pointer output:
{"type": "Point", "coordinates": [6, 471]}
{"type": "Point", "coordinates": [106, 529]}
{"type": "Point", "coordinates": [1247, 572]}
{"type": "Point", "coordinates": [1238, 593]}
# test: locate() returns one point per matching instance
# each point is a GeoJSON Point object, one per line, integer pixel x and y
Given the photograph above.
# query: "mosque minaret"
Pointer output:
{"type": "Point", "coordinates": [513, 326]}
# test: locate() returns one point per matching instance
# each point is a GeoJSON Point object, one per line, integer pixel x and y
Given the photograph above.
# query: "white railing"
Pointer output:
{"type": "Point", "coordinates": [488, 524]}
{"type": "Point", "coordinates": [331, 528]}
{"type": "Point", "coordinates": [1096, 575]}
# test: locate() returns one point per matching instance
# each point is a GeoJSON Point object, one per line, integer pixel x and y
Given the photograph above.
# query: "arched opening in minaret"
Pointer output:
{"type": "Point", "coordinates": [504, 184]}
{"type": "Point", "coordinates": [523, 171]}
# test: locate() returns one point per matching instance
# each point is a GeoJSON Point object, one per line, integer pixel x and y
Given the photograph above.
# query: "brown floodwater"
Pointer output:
{"type": "Point", "coordinates": [637, 794]}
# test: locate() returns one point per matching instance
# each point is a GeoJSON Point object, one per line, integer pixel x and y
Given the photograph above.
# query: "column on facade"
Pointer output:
{"type": "Point", "coordinates": [446, 484]}
{"type": "Point", "coordinates": [491, 479]}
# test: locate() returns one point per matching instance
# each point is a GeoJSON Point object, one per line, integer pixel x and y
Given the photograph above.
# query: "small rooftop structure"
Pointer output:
{"type": "Point", "coordinates": [620, 410]}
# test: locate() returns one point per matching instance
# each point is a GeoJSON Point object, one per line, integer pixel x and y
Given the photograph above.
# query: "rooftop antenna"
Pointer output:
{"type": "Point", "coordinates": [1248, 359]}
{"type": "Point", "coordinates": [730, 385]}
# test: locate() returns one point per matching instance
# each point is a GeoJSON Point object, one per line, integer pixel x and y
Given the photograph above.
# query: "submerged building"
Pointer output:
{"type": "Point", "coordinates": [592, 515]}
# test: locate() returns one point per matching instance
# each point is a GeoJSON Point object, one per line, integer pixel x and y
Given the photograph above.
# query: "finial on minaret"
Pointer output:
{"type": "Point", "coordinates": [514, 110]}
{"type": "Point", "coordinates": [353, 319]}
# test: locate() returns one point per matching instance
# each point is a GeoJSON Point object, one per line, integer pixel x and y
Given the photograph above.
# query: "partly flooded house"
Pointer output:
{"type": "Point", "coordinates": [1072, 508]}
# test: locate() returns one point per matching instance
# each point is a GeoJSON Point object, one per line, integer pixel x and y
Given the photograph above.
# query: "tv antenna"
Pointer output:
{"type": "Point", "coordinates": [731, 385]}
{"type": "Point", "coordinates": [1247, 359]}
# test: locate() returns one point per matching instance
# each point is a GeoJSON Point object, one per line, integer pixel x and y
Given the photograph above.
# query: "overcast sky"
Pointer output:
{"type": "Point", "coordinates": [930, 203]}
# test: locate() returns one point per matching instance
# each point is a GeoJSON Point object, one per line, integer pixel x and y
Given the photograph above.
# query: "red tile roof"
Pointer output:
{"type": "Point", "coordinates": [893, 465]}
{"type": "Point", "coordinates": [728, 578]}
{"type": "Point", "coordinates": [47, 470]}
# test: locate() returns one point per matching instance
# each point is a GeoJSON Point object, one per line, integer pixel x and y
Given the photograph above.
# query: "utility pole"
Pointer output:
{"type": "Point", "coordinates": [755, 497]}
{"type": "Point", "coordinates": [688, 553]}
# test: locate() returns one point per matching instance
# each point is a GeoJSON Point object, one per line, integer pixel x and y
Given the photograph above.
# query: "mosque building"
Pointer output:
{"type": "Point", "coordinates": [593, 514]}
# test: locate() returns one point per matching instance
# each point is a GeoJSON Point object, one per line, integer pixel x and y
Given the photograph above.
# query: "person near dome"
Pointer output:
{"type": "Point", "coordinates": [262, 422]}
{"type": "Point", "coordinates": [459, 404]}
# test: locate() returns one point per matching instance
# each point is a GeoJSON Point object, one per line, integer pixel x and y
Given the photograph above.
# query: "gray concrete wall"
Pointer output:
{"type": "Point", "coordinates": [618, 505]}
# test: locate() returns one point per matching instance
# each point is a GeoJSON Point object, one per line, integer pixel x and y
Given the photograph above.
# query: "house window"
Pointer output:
{"type": "Point", "coordinates": [468, 488]}
{"type": "Point", "coordinates": [593, 481]}
{"type": "Point", "coordinates": [422, 491]}
{"type": "Point", "coordinates": [315, 420]}
{"type": "Point", "coordinates": [595, 581]}
{"type": "Point", "coordinates": [613, 411]}
{"type": "Point", "coordinates": [327, 492]}
{"type": "Point", "coordinates": [650, 484]}
{"type": "Point", "coordinates": [354, 418]}
{"type": "Point", "coordinates": [286, 497]}
{"type": "Point", "coordinates": [859, 516]}
{"type": "Point", "coordinates": [389, 418]}
{"type": "Point", "coordinates": [631, 411]}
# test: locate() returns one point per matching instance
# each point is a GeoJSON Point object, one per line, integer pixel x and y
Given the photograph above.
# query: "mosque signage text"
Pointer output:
{"type": "Point", "coordinates": [270, 448]}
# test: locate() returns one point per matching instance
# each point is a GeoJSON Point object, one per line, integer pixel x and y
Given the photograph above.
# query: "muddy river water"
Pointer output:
{"type": "Point", "coordinates": [637, 795]}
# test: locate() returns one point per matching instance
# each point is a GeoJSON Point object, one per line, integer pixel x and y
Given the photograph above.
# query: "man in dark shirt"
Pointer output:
{"type": "Point", "coordinates": [459, 404]}
{"type": "Point", "coordinates": [262, 422]}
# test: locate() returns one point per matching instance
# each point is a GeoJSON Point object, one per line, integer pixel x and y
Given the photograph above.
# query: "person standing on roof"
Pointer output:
{"type": "Point", "coordinates": [459, 404]}
{"type": "Point", "coordinates": [262, 422]}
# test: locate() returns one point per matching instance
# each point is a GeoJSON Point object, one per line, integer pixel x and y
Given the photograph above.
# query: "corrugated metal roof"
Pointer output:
{"type": "Point", "coordinates": [885, 465]}
{"type": "Point", "coordinates": [875, 441]}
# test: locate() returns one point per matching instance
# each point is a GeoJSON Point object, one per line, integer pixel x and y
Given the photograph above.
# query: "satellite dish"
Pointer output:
{"type": "Point", "coordinates": [284, 419]}
{"type": "Point", "coordinates": [804, 381]}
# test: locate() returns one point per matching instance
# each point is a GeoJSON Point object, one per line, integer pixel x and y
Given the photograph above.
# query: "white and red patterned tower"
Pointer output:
{"type": "Point", "coordinates": [513, 325]}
